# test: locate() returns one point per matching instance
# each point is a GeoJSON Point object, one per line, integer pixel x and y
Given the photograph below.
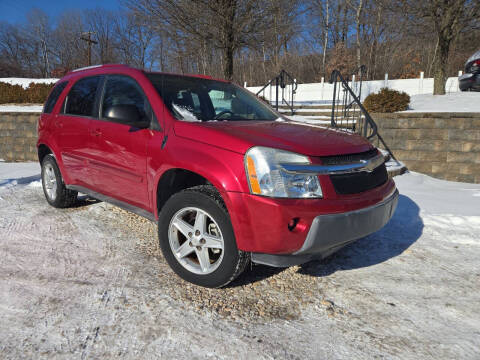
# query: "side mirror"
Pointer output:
{"type": "Point", "coordinates": [128, 115]}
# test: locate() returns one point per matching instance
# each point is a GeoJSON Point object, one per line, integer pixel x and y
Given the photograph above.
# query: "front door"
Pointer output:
{"type": "Point", "coordinates": [119, 151]}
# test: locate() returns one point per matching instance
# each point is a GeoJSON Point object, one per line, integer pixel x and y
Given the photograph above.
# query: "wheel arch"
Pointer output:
{"type": "Point", "coordinates": [45, 148]}
{"type": "Point", "coordinates": [42, 151]}
{"type": "Point", "coordinates": [176, 179]}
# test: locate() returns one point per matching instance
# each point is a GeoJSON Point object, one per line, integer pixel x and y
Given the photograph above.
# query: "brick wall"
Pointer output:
{"type": "Point", "coordinates": [443, 145]}
{"type": "Point", "coordinates": [18, 136]}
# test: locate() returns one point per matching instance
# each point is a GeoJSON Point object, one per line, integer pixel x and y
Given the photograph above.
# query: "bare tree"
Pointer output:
{"type": "Point", "coordinates": [40, 35]}
{"type": "Point", "coordinates": [11, 50]}
{"type": "Point", "coordinates": [134, 40]}
{"type": "Point", "coordinates": [67, 47]}
{"type": "Point", "coordinates": [358, 6]}
{"type": "Point", "coordinates": [247, 40]}
{"type": "Point", "coordinates": [448, 18]}
{"type": "Point", "coordinates": [228, 25]}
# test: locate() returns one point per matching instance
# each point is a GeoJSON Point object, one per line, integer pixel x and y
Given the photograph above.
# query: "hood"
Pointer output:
{"type": "Point", "coordinates": [306, 139]}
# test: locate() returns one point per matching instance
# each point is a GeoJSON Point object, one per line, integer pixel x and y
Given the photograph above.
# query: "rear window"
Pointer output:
{"type": "Point", "coordinates": [81, 98]}
{"type": "Point", "coordinates": [53, 97]}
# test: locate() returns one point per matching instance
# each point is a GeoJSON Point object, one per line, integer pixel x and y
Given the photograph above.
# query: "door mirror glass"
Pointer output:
{"type": "Point", "coordinates": [126, 114]}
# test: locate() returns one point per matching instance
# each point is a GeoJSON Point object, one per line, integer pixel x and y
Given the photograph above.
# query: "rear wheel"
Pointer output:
{"type": "Point", "coordinates": [54, 188]}
{"type": "Point", "coordinates": [197, 239]}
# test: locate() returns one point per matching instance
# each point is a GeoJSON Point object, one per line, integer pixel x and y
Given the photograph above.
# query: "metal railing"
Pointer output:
{"type": "Point", "coordinates": [348, 113]}
{"type": "Point", "coordinates": [284, 86]}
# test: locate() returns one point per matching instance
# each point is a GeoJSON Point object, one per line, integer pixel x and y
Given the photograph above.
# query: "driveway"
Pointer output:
{"type": "Point", "coordinates": [90, 282]}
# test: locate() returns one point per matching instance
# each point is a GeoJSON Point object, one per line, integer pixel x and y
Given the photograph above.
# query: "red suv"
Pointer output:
{"type": "Point", "coordinates": [228, 179]}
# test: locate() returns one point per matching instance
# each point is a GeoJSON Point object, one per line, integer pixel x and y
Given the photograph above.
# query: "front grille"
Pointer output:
{"type": "Point", "coordinates": [348, 159]}
{"type": "Point", "coordinates": [358, 182]}
{"type": "Point", "coordinates": [355, 183]}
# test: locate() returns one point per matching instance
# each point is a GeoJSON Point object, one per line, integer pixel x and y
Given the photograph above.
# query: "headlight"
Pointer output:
{"type": "Point", "coordinates": [266, 177]}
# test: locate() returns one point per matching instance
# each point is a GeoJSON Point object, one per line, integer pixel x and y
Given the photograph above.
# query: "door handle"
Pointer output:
{"type": "Point", "coordinates": [96, 132]}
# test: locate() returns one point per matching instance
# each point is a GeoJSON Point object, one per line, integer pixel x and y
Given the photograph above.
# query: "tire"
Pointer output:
{"type": "Point", "coordinates": [184, 246]}
{"type": "Point", "coordinates": [53, 186]}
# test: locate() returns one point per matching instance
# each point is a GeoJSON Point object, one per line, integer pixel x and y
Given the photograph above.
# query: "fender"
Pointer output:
{"type": "Point", "coordinates": [222, 168]}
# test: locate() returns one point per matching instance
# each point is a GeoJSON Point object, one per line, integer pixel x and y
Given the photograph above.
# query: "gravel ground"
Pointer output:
{"type": "Point", "coordinates": [90, 282]}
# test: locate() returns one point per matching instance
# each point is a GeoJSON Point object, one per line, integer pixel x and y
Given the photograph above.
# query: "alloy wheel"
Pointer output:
{"type": "Point", "coordinates": [196, 240]}
{"type": "Point", "coordinates": [50, 181]}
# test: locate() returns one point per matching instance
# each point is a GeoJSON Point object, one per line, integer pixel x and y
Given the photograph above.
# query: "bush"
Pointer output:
{"type": "Point", "coordinates": [387, 101]}
{"type": "Point", "coordinates": [16, 94]}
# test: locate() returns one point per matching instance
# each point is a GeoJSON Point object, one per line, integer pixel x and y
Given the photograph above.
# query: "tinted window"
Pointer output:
{"type": "Point", "coordinates": [81, 98]}
{"type": "Point", "coordinates": [197, 99]}
{"type": "Point", "coordinates": [123, 90]}
{"type": "Point", "coordinates": [53, 97]}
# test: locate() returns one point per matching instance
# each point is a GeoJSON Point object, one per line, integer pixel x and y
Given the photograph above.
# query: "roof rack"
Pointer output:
{"type": "Point", "coordinates": [98, 66]}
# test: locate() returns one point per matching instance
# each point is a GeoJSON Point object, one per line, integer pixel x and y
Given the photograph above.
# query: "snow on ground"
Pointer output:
{"type": "Point", "coordinates": [18, 173]}
{"type": "Point", "coordinates": [35, 108]}
{"type": "Point", "coordinates": [453, 102]}
{"type": "Point", "coordinates": [24, 82]}
{"type": "Point", "coordinates": [86, 283]}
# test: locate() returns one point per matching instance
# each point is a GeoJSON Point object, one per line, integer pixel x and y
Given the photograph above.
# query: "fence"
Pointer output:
{"type": "Point", "coordinates": [322, 92]}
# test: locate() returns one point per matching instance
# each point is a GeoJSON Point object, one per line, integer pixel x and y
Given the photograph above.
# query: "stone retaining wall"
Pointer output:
{"type": "Point", "coordinates": [18, 136]}
{"type": "Point", "coordinates": [443, 145]}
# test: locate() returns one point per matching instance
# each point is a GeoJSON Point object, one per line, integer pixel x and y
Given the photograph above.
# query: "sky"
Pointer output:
{"type": "Point", "coordinates": [15, 11]}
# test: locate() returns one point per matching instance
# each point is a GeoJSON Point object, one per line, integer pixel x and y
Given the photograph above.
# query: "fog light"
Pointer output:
{"type": "Point", "coordinates": [293, 223]}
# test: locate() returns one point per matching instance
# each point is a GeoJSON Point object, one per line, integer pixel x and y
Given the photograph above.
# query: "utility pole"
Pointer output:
{"type": "Point", "coordinates": [87, 36]}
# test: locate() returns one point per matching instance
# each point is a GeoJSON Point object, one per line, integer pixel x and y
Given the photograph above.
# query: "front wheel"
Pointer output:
{"type": "Point", "coordinates": [197, 239]}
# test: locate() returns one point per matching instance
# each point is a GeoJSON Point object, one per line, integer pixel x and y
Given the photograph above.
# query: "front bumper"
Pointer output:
{"type": "Point", "coordinates": [328, 233]}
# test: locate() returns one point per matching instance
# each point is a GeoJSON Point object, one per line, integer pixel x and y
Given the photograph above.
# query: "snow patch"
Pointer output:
{"type": "Point", "coordinates": [453, 102]}
{"type": "Point", "coordinates": [186, 113]}
{"type": "Point", "coordinates": [21, 108]}
{"type": "Point", "coordinates": [12, 174]}
{"type": "Point", "coordinates": [35, 184]}
{"type": "Point", "coordinates": [435, 196]}
{"type": "Point", "coordinates": [25, 82]}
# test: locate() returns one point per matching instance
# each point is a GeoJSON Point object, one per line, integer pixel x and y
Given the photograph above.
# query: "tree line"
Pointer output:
{"type": "Point", "coordinates": [251, 40]}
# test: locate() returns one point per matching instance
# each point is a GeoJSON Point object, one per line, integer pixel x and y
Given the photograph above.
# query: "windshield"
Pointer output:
{"type": "Point", "coordinates": [197, 99]}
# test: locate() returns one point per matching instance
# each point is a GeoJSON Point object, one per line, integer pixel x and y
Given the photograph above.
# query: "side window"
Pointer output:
{"type": "Point", "coordinates": [53, 97]}
{"type": "Point", "coordinates": [81, 98]}
{"type": "Point", "coordinates": [123, 90]}
{"type": "Point", "coordinates": [221, 100]}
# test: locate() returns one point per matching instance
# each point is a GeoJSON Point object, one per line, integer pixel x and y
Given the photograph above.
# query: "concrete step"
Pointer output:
{"type": "Point", "coordinates": [320, 120]}
{"type": "Point", "coordinates": [323, 107]}
{"type": "Point", "coordinates": [308, 113]}
{"type": "Point", "coordinates": [394, 167]}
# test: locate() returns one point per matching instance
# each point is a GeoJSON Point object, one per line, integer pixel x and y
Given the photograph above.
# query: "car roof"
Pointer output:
{"type": "Point", "coordinates": [107, 68]}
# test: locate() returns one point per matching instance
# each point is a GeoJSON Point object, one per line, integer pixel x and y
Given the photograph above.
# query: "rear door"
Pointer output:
{"type": "Point", "coordinates": [72, 129]}
{"type": "Point", "coordinates": [119, 150]}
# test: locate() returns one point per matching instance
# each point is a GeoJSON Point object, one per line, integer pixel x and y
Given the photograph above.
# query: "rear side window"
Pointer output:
{"type": "Point", "coordinates": [81, 98]}
{"type": "Point", "coordinates": [53, 97]}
